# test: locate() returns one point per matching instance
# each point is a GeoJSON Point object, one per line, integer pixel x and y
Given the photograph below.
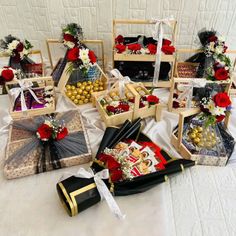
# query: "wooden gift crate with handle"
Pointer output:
{"type": "Point", "coordinates": [116, 119]}
{"type": "Point", "coordinates": [176, 141]}
{"type": "Point", "coordinates": [29, 163]}
{"type": "Point", "coordinates": [145, 57]}
{"type": "Point", "coordinates": [38, 83]}
{"type": "Point", "coordinates": [185, 73]}
{"type": "Point", "coordinates": [147, 111]}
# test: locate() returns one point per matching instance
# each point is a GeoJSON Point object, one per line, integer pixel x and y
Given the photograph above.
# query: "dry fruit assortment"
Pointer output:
{"type": "Point", "coordinates": [114, 104]}
{"type": "Point", "coordinates": [80, 93]}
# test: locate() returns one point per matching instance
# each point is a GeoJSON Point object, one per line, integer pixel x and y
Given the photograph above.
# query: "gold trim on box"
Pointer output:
{"type": "Point", "coordinates": [78, 192]}
{"type": "Point", "coordinates": [68, 200]}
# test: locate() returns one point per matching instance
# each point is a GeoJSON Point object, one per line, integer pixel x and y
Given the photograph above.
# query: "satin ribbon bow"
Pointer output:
{"type": "Point", "coordinates": [102, 188]}
{"type": "Point", "coordinates": [158, 35]}
{"type": "Point", "coordinates": [188, 93]}
{"type": "Point", "coordinates": [122, 80]}
{"type": "Point", "coordinates": [24, 85]}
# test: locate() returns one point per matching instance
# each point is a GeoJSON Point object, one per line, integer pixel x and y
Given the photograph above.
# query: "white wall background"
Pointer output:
{"type": "Point", "coordinates": [38, 20]}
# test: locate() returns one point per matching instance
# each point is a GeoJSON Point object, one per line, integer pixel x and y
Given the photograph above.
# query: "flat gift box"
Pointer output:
{"type": "Point", "coordinates": [78, 194]}
{"type": "Point", "coordinates": [22, 159]}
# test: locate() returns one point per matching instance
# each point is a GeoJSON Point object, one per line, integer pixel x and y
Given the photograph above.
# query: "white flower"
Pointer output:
{"type": "Point", "coordinates": [11, 46]}
{"type": "Point", "coordinates": [83, 53]}
{"type": "Point", "coordinates": [47, 122]}
{"type": "Point", "coordinates": [144, 51]}
{"type": "Point", "coordinates": [115, 103]}
{"type": "Point", "coordinates": [210, 106]}
{"type": "Point", "coordinates": [221, 39]}
{"type": "Point", "coordinates": [212, 46]}
{"type": "Point", "coordinates": [217, 111]}
{"type": "Point", "coordinates": [69, 44]}
{"type": "Point", "coordinates": [219, 50]}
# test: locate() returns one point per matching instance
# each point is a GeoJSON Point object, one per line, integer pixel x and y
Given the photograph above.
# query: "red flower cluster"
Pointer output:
{"type": "Point", "coordinates": [221, 73]}
{"type": "Point", "coordinates": [92, 56]}
{"type": "Point", "coordinates": [70, 38]}
{"type": "Point", "coordinates": [120, 48]}
{"type": "Point", "coordinates": [112, 165]}
{"type": "Point", "coordinates": [152, 99]}
{"type": "Point", "coordinates": [167, 48]}
{"type": "Point", "coordinates": [134, 47]}
{"type": "Point", "coordinates": [152, 48]}
{"type": "Point", "coordinates": [7, 74]}
{"type": "Point", "coordinates": [119, 39]}
{"type": "Point", "coordinates": [73, 54]}
{"type": "Point", "coordinates": [122, 107]}
{"type": "Point", "coordinates": [222, 100]}
{"type": "Point", "coordinates": [46, 132]}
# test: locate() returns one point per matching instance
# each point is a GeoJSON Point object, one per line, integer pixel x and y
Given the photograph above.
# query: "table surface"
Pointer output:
{"type": "Point", "coordinates": [199, 201]}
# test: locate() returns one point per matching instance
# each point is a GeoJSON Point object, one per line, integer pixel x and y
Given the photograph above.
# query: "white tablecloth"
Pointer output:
{"type": "Point", "coordinates": [199, 201]}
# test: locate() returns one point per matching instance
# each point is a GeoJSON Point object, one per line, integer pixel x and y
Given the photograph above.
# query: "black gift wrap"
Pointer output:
{"type": "Point", "coordinates": [137, 185]}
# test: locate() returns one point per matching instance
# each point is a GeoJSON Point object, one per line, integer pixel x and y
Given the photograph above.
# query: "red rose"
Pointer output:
{"type": "Point", "coordinates": [62, 134]}
{"type": "Point", "coordinates": [73, 54]}
{"type": "Point", "coordinates": [111, 109]}
{"type": "Point", "coordinates": [220, 118]}
{"type": "Point", "coordinates": [221, 74]}
{"type": "Point", "coordinates": [120, 48]}
{"type": "Point", "coordinates": [166, 42]}
{"type": "Point", "coordinates": [123, 107]}
{"type": "Point", "coordinates": [119, 39]}
{"type": "Point", "coordinates": [7, 75]}
{"type": "Point", "coordinates": [134, 47]}
{"type": "Point", "coordinates": [141, 104]}
{"type": "Point", "coordinates": [92, 56]}
{"type": "Point", "coordinates": [213, 38]}
{"type": "Point", "coordinates": [222, 100]}
{"type": "Point", "coordinates": [169, 50]}
{"type": "Point", "coordinates": [152, 48]}
{"type": "Point", "coordinates": [44, 132]}
{"type": "Point", "coordinates": [19, 47]}
{"type": "Point", "coordinates": [152, 99]}
{"type": "Point", "coordinates": [112, 164]}
{"type": "Point", "coordinates": [116, 175]}
{"type": "Point", "coordinates": [69, 37]}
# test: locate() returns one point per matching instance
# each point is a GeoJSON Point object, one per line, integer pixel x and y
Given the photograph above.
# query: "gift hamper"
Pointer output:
{"type": "Point", "coordinates": [44, 143]}
{"type": "Point", "coordinates": [210, 63]}
{"type": "Point", "coordinates": [134, 164]}
{"type": "Point", "coordinates": [202, 136]}
{"type": "Point", "coordinates": [146, 59]}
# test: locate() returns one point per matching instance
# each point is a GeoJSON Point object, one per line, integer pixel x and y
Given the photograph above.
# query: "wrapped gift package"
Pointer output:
{"type": "Point", "coordinates": [207, 145]}
{"type": "Point", "coordinates": [30, 97]}
{"type": "Point", "coordinates": [77, 194]}
{"type": "Point", "coordinates": [135, 56]}
{"type": "Point", "coordinates": [26, 154]}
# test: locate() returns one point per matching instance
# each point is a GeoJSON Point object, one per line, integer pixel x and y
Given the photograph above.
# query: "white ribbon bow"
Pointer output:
{"type": "Point", "coordinates": [158, 35]}
{"type": "Point", "coordinates": [15, 92]}
{"type": "Point", "coordinates": [122, 80]}
{"type": "Point", "coordinates": [188, 93]}
{"type": "Point", "coordinates": [102, 188]}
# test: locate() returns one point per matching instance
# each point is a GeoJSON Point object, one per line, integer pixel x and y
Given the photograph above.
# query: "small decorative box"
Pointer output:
{"type": "Point", "coordinates": [30, 150]}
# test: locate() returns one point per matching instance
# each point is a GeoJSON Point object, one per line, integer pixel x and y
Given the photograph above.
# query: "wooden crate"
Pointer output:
{"type": "Point", "coordinates": [65, 77]}
{"type": "Point", "coordinates": [153, 110]}
{"type": "Point", "coordinates": [145, 58]}
{"type": "Point", "coordinates": [19, 138]}
{"type": "Point", "coordinates": [39, 82]}
{"type": "Point", "coordinates": [180, 78]}
{"type": "Point", "coordinates": [116, 119]}
{"type": "Point", "coordinates": [176, 141]}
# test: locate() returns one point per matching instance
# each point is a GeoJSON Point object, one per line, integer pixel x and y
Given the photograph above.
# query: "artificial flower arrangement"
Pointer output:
{"type": "Point", "coordinates": [46, 142]}
{"type": "Point", "coordinates": [18, 51]}
{"type": "Point", "coordinates": [122, 45]}
{"type": "Point", "coordinates": [203, 136]}
{"type": "Point", "coordinates": [132, 164]}
{"type": "Point", "coordinates": [7, 74]}
{"type": "Point", "coordinates": [72, 35]}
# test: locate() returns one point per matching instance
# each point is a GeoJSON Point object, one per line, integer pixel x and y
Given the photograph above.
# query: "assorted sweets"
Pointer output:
{"type": "Point", "coordinates": [80, 93]}
{"type": "Point", "coordinates": [36, 98]}
{"type": "Point", "coordinates": [131, 159]}
{"type": "Point", "coordinates": [114, 103]}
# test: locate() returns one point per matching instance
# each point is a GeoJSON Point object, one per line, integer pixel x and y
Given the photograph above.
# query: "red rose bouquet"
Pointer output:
{"type": "Point", "coordinates": [72, 34]}
{"type": "Point", "coordinates": [51, 129]}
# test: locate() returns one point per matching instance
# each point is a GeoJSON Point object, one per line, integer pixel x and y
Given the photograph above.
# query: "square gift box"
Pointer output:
{"type": "Point", "coordinates": [26, 154]}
